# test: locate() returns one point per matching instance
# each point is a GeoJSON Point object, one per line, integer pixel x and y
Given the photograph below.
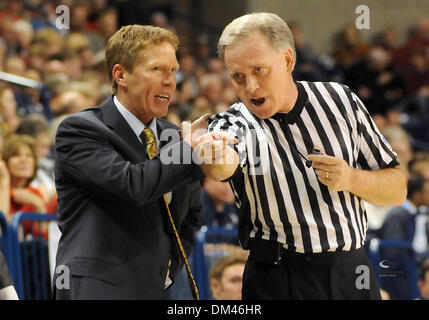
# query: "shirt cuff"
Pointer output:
{"type": "Point", "coordinates": [168, 282]}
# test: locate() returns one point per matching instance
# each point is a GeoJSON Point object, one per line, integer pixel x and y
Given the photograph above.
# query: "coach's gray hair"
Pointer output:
{"type": "Point", "coordinates": [271, 25]}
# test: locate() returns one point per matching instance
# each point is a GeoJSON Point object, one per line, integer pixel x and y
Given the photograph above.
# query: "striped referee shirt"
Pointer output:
{"type": "Point", "coordinates": [279, 197]}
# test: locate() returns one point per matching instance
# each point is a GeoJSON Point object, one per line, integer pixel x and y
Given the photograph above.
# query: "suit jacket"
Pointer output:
{"type": "Point", "coordinates": [399, 225]}
{"type": "Point", "coordinates": [115, 240]}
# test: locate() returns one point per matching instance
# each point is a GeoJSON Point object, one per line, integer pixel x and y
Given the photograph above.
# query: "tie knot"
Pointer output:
{"type": "Point", "coordinates": [148, 137]}
{"type": "Point", "coordinates": [147, 134]}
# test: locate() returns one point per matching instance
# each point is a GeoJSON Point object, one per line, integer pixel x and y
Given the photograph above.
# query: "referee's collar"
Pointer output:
{"type": "Point", "coordinates": [300, 103]}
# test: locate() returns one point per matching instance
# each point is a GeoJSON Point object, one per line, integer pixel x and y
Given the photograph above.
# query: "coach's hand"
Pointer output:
{"type": "Point", "coordinates": [192, 131]}
{"type": "Point", "coordinates": [333, 172]}
{"type": "Point", "coordinates": [219, 160]}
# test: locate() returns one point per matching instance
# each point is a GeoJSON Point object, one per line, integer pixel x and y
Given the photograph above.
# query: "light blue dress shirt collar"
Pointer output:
{"type": "Point", "coordinates": [136, 125]}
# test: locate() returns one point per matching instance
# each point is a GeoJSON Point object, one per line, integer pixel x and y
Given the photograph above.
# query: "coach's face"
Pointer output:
{"type": "Point", "coordinates": [149, 88]}
{"type": "Point", "coordinates": [261, 74]}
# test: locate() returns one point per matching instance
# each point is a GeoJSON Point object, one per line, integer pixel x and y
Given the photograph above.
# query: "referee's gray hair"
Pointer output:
{"type": "Point", "coordinates": [271, 25]}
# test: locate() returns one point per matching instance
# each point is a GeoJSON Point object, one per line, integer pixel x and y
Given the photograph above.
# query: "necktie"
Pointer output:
{"type": "Point", "coordinates": [149, 137]}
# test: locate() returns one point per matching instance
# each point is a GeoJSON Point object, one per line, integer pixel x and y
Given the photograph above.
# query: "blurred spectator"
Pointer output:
{"type": "Point", "coordinates": [219, 211]}
{"type": "Point", "coordinates": [387, 39]}
{"type": "Point", "coordinates": [37, 127]}
{"type": "Point", "coordinates": [31, 100]}
{"type": "Point", "coordinates": [187, 73]}
{"type": "Point", "coordinates": [421, 167]}
{"type": "Point", "coordinates": [95, 11]}
{"type": "Point", "coordinates": [3, 50]}
{"type": "Point", "coordinates": [229, 94]}
{"type": "Point", "coordinates": [53, 66]}
{"type": "Point", "coordinates": [211, 88]}
{"type": "Point", "coordinates": [308, 66]}
{"type": "Point", "coordinates": [51, 41]}
{"type": "Point", "coordinates": [348, 48]}
{"type": "Point", "coordinates": [37, 56]}
{"type": "Point", "coordinates": [159, 19]}
{"type": "Point", "coordinates": [79, 13]}
{"type": "Point", "coordinates": [399, 140]}
{"type": "Point", "coordinates": [218, 202]}
{"type": "Point", "coordinates": [20, 157]}
{"type": "Point", "coordinates": [77, 48]}
{"type": "Point", "coordinates": [15, 65]}
{"type": "Point", "coordinates": [375, 81]}
{"type": "Point", "coordinates": [423, 281]}
{"type": "Point", "coordinates": [201, 107]}
{"type": "Point", "coordinates": [8, 109]}
{"type": "Point", "coordinates": [69, 102]}
{"type": "Point", "coordinates": [202, 51]}
{"type": "Point", "coordinates": [418, 39]}
{"type": "Point", "coordinates": [6, 32]}
{"type": "Point", "coordinates": [11, 9]}
{"type": "Point", "coordinates": [226, 277]}
{"type": "Point", "coordinates": [24, 36]}
{"type": "Point", "coordinates": [216, 66]}
{"type": "Point", "coordinates": [107, 24]}
{"type": "Point", "coordinates": [406, 223]}
{"type": "Point", "coordinates": [183, 99]}
{"type": "Point", "coordinates": [416, 74]}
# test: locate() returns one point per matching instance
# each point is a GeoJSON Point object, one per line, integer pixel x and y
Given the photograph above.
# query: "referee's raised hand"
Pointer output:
{"type": "Point", "coordinates": [333, 172]}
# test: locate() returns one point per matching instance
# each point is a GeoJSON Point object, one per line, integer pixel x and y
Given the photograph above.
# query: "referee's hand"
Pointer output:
{"type": "Point", "coordinates": [333, 172]}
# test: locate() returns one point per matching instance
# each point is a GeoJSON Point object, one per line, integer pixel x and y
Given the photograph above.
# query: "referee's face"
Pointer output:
{"type": "Point", "coordinates": [261, 74]}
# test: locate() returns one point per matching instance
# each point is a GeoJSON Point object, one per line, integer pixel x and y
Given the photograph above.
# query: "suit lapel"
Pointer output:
{"type": "Point", "coordinates": [161, 125]}
{"type": "Point", "coordinates": [116, 122]}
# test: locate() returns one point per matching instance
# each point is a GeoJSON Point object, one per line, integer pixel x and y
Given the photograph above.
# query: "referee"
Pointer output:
{"type": "Point", "coordinates": [301, 213]}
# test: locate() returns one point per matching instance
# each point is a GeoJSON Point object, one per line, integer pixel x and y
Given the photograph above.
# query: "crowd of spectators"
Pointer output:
{"type": "Point", "coordinates": [391, 78]}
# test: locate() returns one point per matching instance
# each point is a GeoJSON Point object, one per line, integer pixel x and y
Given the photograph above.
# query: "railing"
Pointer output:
{"type": "Point", "coordinates": [30, 263]}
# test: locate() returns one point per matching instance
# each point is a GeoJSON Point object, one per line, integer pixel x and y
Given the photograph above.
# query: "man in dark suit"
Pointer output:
{"type": "Point", "coordinates": [113, 185]}
{"type": "Point", "coordinates": [406, 223]}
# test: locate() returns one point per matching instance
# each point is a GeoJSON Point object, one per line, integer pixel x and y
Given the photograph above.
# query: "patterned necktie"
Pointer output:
{"type": "Point", "coordinates": [148, 136]}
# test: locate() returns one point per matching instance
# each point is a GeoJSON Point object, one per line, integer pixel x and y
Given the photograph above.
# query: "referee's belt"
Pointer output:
{"type": "Point", "coordinates": [275, 253]}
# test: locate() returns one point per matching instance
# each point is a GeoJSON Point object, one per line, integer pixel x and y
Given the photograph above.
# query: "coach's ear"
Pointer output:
{"type": "Point", "coordinates": [289, 59]}
{"type": "Point", "coordinates": [119, 75]}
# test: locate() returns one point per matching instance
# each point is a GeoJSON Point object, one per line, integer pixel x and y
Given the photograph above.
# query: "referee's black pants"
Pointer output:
{"type": "Point", "coordinates": [317, 276]}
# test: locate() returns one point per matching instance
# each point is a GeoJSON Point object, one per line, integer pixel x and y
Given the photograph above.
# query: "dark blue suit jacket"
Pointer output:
{"type": "Point", "coordinates": [115, 236]}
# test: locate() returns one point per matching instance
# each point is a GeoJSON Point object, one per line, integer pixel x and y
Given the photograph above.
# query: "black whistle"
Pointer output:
{"type": "Point", "coordinates": [309, 162]}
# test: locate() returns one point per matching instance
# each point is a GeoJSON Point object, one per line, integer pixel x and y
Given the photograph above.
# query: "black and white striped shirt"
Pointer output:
{"type": "Point", "coordinates": [279, 197]}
